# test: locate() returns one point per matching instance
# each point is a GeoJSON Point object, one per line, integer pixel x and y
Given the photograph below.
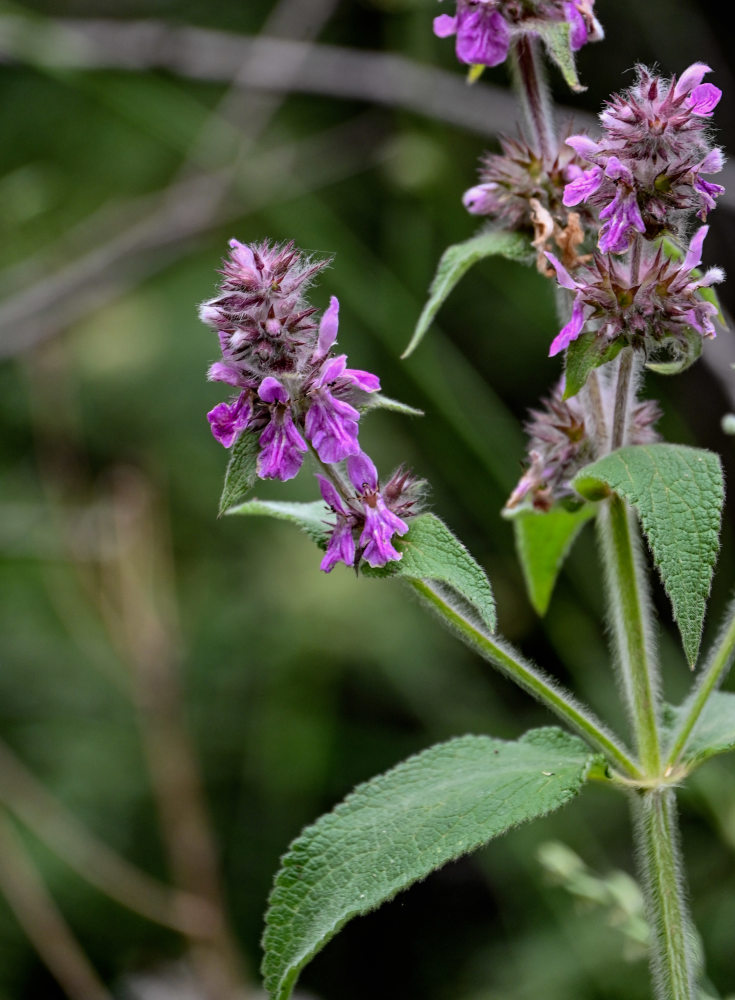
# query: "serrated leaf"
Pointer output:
{"type": "Point", "coordinates": [431, 552]}
{"type": "Point", "coordinates": [377, 401]}
{"type": "Point", "coordinates": [399, 827]}
{"type": "Point", "coordinates": [714, 732]}
{"type": "Point", "coordinates": [585, 354]}
{"type": "Point", "coordinates": [542, 542]}
{"type": "Point", "coordinates": [455, 262]}
{"type": "Point", "coordinates": [311, 518]}
{"type": "Point", "coordinates": [556, 38]}
{"type": "Point", "coordinates": [241, 474]}
{"type": "Point", "coordinates": [678, 494]}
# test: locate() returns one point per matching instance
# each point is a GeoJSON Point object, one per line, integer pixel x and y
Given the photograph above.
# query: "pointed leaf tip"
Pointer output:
{"type": "Point", "coordinates": [678, 494]}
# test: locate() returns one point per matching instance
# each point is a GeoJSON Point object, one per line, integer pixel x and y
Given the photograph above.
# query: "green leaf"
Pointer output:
{"type": "Point", "coordinates": [678, 494]}
{"type": "Point", "coordinates": [583, 355]}
{"type": "Point", "coordinates": [680, 355]}
{"type": "Point", "coordinates": [377, 401]}
{"type": "Point", "coordinates": [241, 473]}
{"type": "Point", "coordinates": [431, 552]}
{"type": "Point", "coordinates": [455, 262]}
{"type": "Point", "coordinates": [714, 732]}
{"type": "Point", "coordinates": [556, 38]}
{"type": "Point", "coordinates": [543, 541]}
{"type": "Point", "coordinates": [399, 827]}
{"type": "Point", "coordinates": [310, 517]}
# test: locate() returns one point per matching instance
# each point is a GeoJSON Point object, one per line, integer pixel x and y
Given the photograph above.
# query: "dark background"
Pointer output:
{"type": "Point", "coordinates": [128, 611]}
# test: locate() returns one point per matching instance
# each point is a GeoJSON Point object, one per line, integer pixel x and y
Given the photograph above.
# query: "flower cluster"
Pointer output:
{"type": "Point", "coordinates": [560, 445]}
{"type": "Point", "coordinates": [644, 176]}
{"type": "Point", "coordinates": [660, 303]}
{"type": "Point", "coordinates": [296, 395]}
{"type": "Point", "coordinates": [646, 171]}
{"type": "Point", "coordinates": [484, 29]}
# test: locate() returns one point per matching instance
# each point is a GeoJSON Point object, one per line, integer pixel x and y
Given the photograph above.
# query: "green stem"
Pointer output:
{"type": "Point", "coordinates": [719, 662]}
{"type": "Point", "coordinates": [534, 97]}
{"type": "Point", "coordinates": [622, 398]}
{"type": "Point", "coordinates": [672, 935]}
{"type": "Point", "coordinates": [531, 679]}
{"type": "Point", "coordinates": [631, 627]}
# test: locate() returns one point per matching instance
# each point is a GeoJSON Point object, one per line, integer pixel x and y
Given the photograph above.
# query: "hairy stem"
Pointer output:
{"type": "Point", "coordinates": [673, 949]}
{"type": "Point", "coordinates": [630, 617]}
{"type": "Point", "coordinates": [719, 662]}
{"type": "Point", "coordinates": [622, 398]}
{"type": "Point", "coordinates": [534, 97]}
{"type": "Point", "coordinates": [531, 679]}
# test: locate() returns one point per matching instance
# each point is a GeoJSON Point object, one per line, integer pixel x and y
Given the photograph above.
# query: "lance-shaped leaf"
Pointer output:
{"type": "Point", "coordinates": [678, 493]}
{"type": "Point", "coordinates": [399, 827]}
{"type": "Point", "coordinates": [311, 518]}
{"type": "Point", "coordinates": [430, 552]}
{"type": "Point", "coordinates": [377, 401]}
{"type": "Point", "coordinates": [241, 474]}
{"type": "Point", "coordinates": [543, 541]}
{"type": "Point", "coordinates": [583, 355]}
{"type": "Point", "coordinates": [556, 39]}
{"type": "Point", "coordinates": [714, 731]}
{"type": "Point", "coordinates": [455, 262]}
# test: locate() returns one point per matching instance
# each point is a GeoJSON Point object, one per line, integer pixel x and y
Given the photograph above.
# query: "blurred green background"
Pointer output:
{"type": "Point", "coordinates": [191, 691]}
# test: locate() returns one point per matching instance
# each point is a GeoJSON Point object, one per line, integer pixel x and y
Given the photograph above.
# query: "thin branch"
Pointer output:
{"type": "Point", "coordinates": [43, 922]}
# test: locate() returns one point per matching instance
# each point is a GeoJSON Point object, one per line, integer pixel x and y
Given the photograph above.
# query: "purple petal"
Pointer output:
{"type": "Point", "coordinates": [330, 495]}
{"type": "Point", "coordinates": [221, 372]}
{"type": "Point", "coordinates": [563, 276]}
{"type": "Point", "coordinates": [569, 332]}
{"type": "Point", "coordinates": [691, 78]}
{"type": "Point", "coordinates": [694, 253]}
{"type": "Point", "coordinates": [577, 25]}
{"type": "Point", "coordinates": [271, 391]}
{"type": "Point", "coordinates": [704, 99]}
{"type": "Point", "coordinates": [480, 199]}
{"type": "Point", "coordinates": [483, 37]}
{"type": "Point", "coordinates": [362, 472]}
{"type": "Point", "coordinates": [380, 526]}
{"type": "Point", "coordinates": [617, 171]}
{"type": "Point", "coordinates": [583, 186]}
{"type": "Point", "coordinates": [363, 380]}
{"type": "Point", "coordinates": [229, 421]}
{"type": "Point", "coordinates": [445, 25]}
{"type": "Point", "coordinates": [713, 162]}
{"type": "Point", "coordinates": [282, 448]}
{"type": "Point", "coordinates": [331, 370]}
{"type": "Point", "coordinates": [341, 546]}
{"type": "Point", "coordinates": [583, 146]}
{"type": "Point", "coordinates": [327, 329]}
{"type": "Point", "coordinates": [622, 215]}
{"type": "Point", "coordinates": [331, 426]}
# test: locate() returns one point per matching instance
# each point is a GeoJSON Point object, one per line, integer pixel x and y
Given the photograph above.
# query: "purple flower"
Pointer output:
{"type": "Point", "coordinates": [282, 446]}
{"type": "Point", "coordinates": [228, 421]}
{"type": "Point", "coordinates": [331, 422]}
{"type": "Point", "coordinates": [483, 37]}
{"type": "Point", "coordinates": [380, 522]}
{"type": "Point", "coordinates": [645, 172]}
{"type": "Point", "coordinates": [341, 545]}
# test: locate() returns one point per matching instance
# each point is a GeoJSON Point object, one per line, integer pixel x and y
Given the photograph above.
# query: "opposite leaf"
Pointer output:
{"type": "Point", "coordinates": [241, 472]}
{"type": "Point", "coordinates": [556, 39]}
{"type": "Point", "coordinates": [714, 732]}
{"type": "Point", "coordinates": [432, 553]}
{"type": "Point", "coordinates": [455, 262]}
{"type": "Point", "coordinates": [399, 827]}
{"type": "Point", "coordinates": [678, 493]}
{"type": "Point", "coordinates": [312, 518]}
{"type": "Point", "coordinates": [585, 354]}
{"type": "Point", "coordinates": [543, 541]}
